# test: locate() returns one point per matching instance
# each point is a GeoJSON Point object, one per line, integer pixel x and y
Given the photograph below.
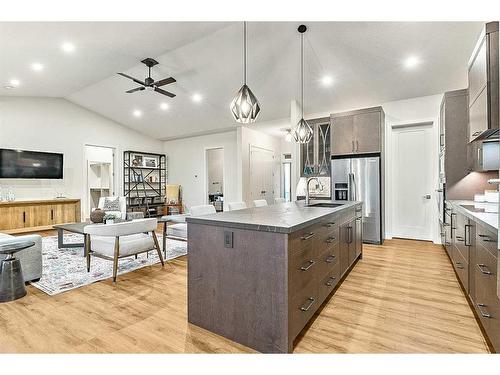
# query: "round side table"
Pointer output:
{"type": "Point", "coordinates": [11, 274]}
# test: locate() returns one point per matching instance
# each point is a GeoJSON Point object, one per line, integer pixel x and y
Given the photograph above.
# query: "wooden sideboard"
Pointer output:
{"type": "Point", "coordinates": [34, 215]}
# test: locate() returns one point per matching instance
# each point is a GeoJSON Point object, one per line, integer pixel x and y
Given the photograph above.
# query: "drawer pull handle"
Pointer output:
{"type": "Point", "coordinates": [459, 238]}
{"type": "Point", "coordinates": [446, 224]}
{"type": "Point", "coordinates": [484, 314]}
{"type": "Point", "coordinates": [486, 238]}
{"type": "Point", "coordinates": [484, 269]}
{"type": "Point", "coordinates": [359, 210]}
{"type": "Point", "coordinates": [309, 265]}
{"type": "Point", "coordinates": [447, 243]}
{"type": "Point", "coordinates": [305, 238]}
{"type": "Point", "coordinates": [330, 258]}
{"type": "Point", "coordinates": [476, 133]}
{"type": "Point", "coordinates": [310, 302]}
{"type": "Point", "coordinates": [459, 265]}
{"type": "Point", "coordinates": [329, 225]}
{"type": "Point", "coordinates": [331, 239]}
{"type": "Point", "coordinates": [330, 281]}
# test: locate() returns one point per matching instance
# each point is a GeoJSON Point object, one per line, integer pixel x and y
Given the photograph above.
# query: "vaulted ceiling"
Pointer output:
{"type": "Point", "coordinates": [365, 61]}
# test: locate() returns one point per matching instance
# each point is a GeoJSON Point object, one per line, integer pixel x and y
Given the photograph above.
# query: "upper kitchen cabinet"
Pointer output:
{"type": "Point", "coordinates": [453, 137]}
{"type": "Point", "coordinates": [483, 85]}
{"type": "Point", "coordinates": [357, 132]}
{"type": "Point", "coordinates": [315, 155]}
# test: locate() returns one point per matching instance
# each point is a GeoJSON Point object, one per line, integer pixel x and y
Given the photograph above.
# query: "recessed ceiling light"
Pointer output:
{"type": "Point", "coordinates": [196, 98]}
{"type": "Point", "coordinates": [68, 47]}
{"type": "Point", "coordinates": [411, 62]}
{"type": "Point", "coordinates": [37, 67]}
{"type": "Point", "coordinates": [327, 80]}
{"type": "Point", "coordinates": [137, 113]}
{"type": "Point", "coordinates": [14, 82]}
{"type": "Point", "coordinates": [164, 106]}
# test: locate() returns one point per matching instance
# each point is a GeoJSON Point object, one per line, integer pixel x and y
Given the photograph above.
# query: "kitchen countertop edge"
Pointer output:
{"type": "Point", "coordinates": [479, 217]}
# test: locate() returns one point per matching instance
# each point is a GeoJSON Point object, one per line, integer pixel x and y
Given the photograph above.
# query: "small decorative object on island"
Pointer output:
{"type": "Point", "coordinates": [245, 107]}
{"type": "Point", "coordinates": [303, 132]}
{"type": "Point", "coordinates": [111, 218]}
{"type": "Point", "coordinates": [97, 215]}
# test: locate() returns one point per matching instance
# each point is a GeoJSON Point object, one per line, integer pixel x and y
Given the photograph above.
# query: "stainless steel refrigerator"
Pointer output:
{"type": "Point", "coordinates": [359, 179]}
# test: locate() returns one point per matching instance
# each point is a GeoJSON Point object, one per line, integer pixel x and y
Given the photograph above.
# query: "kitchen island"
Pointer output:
{"type": "Point", "coordinates": [258, 275]}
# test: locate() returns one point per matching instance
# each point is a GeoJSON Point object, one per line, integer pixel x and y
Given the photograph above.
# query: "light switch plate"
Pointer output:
{"type": "Point", "coordinates": [228, 239]}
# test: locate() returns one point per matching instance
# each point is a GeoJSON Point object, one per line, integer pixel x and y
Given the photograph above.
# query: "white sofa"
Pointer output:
{"type": "Point", "coordinates": [31, 258]}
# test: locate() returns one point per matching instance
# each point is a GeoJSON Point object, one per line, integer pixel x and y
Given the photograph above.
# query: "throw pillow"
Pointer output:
{"type": "Point", "coordinates": [111, 204]}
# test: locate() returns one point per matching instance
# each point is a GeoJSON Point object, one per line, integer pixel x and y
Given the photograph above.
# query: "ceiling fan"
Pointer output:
{"type": "Point", "coordinates": [149, 83]}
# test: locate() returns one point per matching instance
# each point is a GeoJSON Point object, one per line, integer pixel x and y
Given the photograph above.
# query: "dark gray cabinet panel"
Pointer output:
{"type": "Point", "coordinates": [483, 84]}
{"type": "Point", "coordinates": [342, 135]}
{"type": "Point", "coordinates": [357, 132]}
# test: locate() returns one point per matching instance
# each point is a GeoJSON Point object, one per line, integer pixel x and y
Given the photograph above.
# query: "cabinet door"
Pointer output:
{"type": "Point", "coordinates": [324, 149]}
{"type": "Point", "coordinates": [344, 248]}
{"type": "Point", "coordinates": [37, 215]}
{"type": "Point", "coordinates": [442, 127]}
{"type": "Point", "coordinates": [11, 218]}
{"type": "Point", "coordinates": [63, 213]}
{"type": "Point", "coordinates": [342, 136]}
{"type": "Point", "coordinates": [478, 72]}
{"type": "Point", "coordinates": [307, 158]}
{"type": "Point", "coordinates": [352, 241]}
{"type": "Point", "coordinates": [478, 115]}
{"type": "Point", "coordinates": [367, 132]}
{"type": "Point", "coordinates": [359, 235]}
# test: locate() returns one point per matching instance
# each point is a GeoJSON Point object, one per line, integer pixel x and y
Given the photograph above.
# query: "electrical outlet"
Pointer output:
{"type": "Point", "coordinates": [228, 239]}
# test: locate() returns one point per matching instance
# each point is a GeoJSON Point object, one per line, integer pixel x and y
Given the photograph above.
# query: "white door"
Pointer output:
{"type": "Point", "coordinates": [412, 183]}
{"type": "Point", "coordinates": [261, 174]}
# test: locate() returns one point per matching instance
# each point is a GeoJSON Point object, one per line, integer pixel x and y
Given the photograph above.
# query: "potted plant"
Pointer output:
{"type": "Point", "coordinates": [110, 218]}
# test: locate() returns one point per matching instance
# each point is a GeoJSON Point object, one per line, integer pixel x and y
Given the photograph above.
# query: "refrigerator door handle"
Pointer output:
{"type": "Point", "coordinates": [355, 195]}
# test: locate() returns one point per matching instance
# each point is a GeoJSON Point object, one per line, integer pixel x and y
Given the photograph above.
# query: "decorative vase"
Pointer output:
{"type": "Point", "coordinates": [97, 215]}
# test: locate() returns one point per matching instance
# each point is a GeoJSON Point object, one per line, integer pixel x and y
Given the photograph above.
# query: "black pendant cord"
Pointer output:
{"type": "Point", "coordinates": [302, 73]}
{"type": "Point", "coordinates": [245, 52]}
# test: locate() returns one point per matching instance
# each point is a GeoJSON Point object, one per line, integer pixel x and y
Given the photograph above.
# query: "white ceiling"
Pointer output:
{"type": "Point", "coordinates": [365, 60]}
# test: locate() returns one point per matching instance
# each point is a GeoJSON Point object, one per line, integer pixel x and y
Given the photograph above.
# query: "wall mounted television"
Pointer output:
{"type": "Point", "coordinates": [30, 164]}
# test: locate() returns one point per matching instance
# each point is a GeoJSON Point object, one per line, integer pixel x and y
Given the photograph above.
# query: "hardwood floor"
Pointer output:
{"type": "Point", "coordinates": [402, 297]}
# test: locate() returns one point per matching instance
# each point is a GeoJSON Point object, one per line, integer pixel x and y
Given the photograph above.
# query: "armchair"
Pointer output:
{"type": "Point", "coordinates": [115, 241]}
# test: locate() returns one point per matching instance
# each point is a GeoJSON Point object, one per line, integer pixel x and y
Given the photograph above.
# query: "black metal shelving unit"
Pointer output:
{"type": "Point", "coordinates": [144, 186]}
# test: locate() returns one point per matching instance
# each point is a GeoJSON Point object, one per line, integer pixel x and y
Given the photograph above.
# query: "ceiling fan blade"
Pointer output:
{"type": "Point", "coordinates": [132, 78]}
{"type": "Point", "coordinates": [164, 82]}
{"type": "Point", "coordinates": [136, 89]}
{"type": "Point", "coordinates": [164, 92]}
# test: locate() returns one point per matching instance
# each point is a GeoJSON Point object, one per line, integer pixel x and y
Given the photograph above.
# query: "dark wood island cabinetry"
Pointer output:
{"type": "Point", "coordinates": [258, 275]}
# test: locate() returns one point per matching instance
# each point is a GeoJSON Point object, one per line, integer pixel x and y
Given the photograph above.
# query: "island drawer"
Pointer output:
{"type": "Point", "coordinates": [326, 239]}
{"type": "Point", "coordinates": [302, 307]}
{"type": "Point", "coordinates": [329, 282]}
{"type": "Point", "coordinates": [328, 259]}
{"type": "Point", "coordinates": [487, 239]}
{"type": "Point", "coordinates": [348, 215]}
{"type": "Point", "coordinates": [303, 239]}
{"type": "Point", "coordinates": [302, 267]}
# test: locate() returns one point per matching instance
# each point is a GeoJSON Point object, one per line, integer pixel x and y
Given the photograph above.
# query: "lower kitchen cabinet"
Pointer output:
{"type": "Point", "coordinates": [473, 251]}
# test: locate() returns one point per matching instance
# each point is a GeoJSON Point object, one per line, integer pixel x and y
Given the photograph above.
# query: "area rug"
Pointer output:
{"type": "Point", "coordinates": [66, 269]}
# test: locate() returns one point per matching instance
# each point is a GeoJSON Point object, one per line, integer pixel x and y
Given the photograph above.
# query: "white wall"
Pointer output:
{"type": "Point", "coordinates": [248, 137]}
{"type": "Point", "coordinates": [56, 125]}
{"type": "Point", "coordinates": [215, 167]}
{"type": "Point", "coordinates": [413, 110]}
{"type": "Point", "coordinates": [186, 159]}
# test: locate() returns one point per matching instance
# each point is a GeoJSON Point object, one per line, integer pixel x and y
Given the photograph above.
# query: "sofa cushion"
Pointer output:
{"type": "Point", "coordinates": [129, 245]}
{"type": "Point", "coordinates": [177, 230]}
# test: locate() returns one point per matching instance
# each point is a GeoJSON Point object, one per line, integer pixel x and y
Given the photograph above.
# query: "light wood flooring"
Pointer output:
{"type": "Point", "coordinates": [402, 297]}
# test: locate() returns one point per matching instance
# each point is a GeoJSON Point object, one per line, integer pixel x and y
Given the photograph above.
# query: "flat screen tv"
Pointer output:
{"type": "Point", "coordinates": [30, 164]}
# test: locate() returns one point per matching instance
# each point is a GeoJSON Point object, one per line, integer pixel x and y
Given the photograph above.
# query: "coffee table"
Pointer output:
{"type": "Point", "coordinates": [11, 273]}
{"type": "Point", "coordinates": [73, 228]}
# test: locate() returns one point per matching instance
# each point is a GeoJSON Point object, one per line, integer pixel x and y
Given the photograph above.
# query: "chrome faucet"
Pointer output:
{"type": "Point", "coordinates": [307, 188]}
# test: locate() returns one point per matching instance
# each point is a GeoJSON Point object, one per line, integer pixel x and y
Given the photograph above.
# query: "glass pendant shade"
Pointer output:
{"type": "Point", "coordinates": [303, 132]}
{"type": "Point", "coordinates": [245, 107]}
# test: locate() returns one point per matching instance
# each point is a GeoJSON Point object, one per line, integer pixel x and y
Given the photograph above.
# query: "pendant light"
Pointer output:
{"type": "Point", "coordinates": [245, 107]}
{"type": "Point", "coordinates": [303, 132]}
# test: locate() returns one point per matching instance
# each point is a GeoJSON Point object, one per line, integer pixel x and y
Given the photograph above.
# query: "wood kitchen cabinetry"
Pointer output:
{"type": "Point", "coordinates": [474, 255]}
{"type": "Point", "coordinates": [483, 84]}
{"type": "Point", "coordinates": [357, 132]}
{"type": "Point", "coordinates": [35, 215]}
{"type": "Point", "coordinates": [315, 155]}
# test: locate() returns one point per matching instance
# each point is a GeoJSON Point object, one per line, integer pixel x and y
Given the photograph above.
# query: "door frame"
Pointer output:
{"type": "Point", "coordinates": [250, 147]}
{"type": "Point", "coordinates": [205, 183]}
{"type": "Point", "coordinates": [390, 178]}
{"type": "Point", "coordinates": [86, 196]}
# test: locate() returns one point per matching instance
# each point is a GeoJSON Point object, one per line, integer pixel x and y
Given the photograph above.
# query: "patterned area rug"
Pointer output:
{"type": "Point", "coordinates": [66, 269]}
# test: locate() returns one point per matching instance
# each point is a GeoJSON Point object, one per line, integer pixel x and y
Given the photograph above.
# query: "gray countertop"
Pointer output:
{"type": "Point", "coordinates": [279, 218]}
{"type": "Point", "coordinates": [489, 220]}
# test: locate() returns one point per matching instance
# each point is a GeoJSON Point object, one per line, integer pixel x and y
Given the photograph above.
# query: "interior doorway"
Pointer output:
{"type": "Point", "coordinates": [261, 174]}
{"type": "Point", "coordinates": [412, 182]}
{"type": "Point", "coordinates": [215, 177]}
{"type": "Point", "coordinates": [100, 174]}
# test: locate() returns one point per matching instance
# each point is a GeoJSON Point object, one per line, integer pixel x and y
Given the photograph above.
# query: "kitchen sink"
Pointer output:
{"type": "Point", "coordinates": [325, 204]}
